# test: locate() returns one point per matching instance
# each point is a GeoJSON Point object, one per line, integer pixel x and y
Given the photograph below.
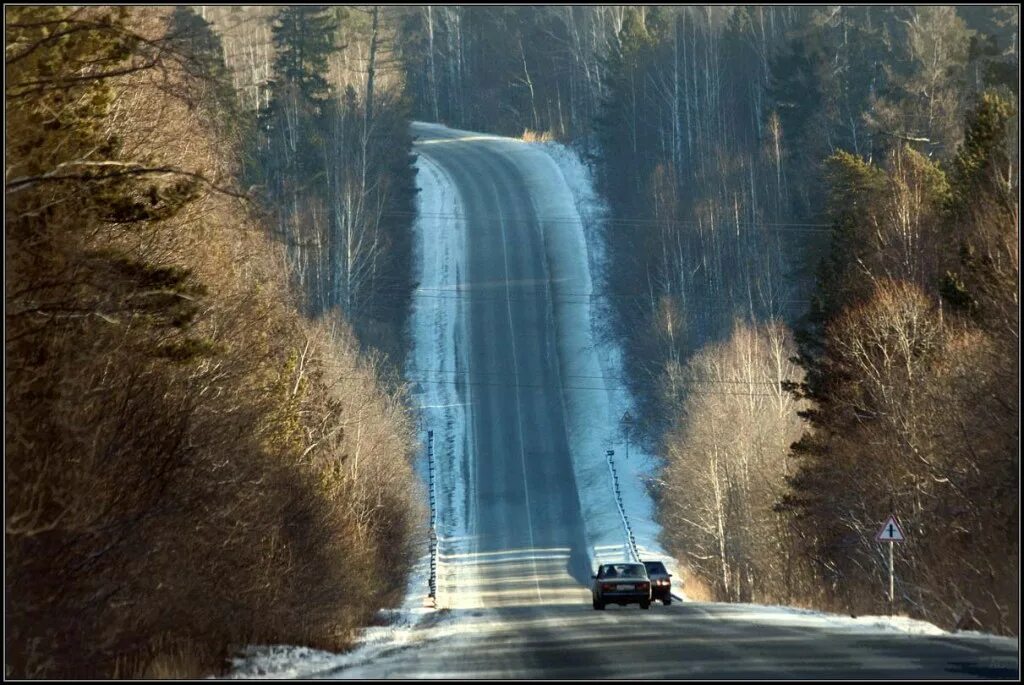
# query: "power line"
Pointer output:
{"type": "Point", "coordinates": [372, 296]}
{"type": "Point", "coordinates": [580, 299]}
{"type": "Point", "coordinates": [422, 377]}
{"type": "Point", "coordinates": [370, 305]}
{"type": "Point", "coordinates": [722, 381]}
{"type": "Point", "coordinates": [535, 386]}
{"type": "Point", "coordinates": [370, 301]}
{"type": "Point", "coordinates": [397, 285]}
{"type": "Point", "coordinates": [635, 222]}
{"type": "Point", "coordinates": [606, 219]}
{"type": "Point", "coordinates": [401, 286]}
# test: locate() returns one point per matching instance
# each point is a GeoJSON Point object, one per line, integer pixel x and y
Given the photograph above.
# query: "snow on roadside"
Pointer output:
{"type": "Point", "coordinates": [809, 618]}
{"type": "Point", "coordinates": [436, 325]}
{"type": "Point", "coordinates": [399, 627]}
{"type": "Point", "coordinates": [571, 215]}
{"type": "Point", "coordinates": [599, 427]}
{"type": "Point", "coordinates": [593, 480]}
{"type": "Point", "coordinates": [439, 358]}
{"type": "Point", "coordinates": [635, 466]}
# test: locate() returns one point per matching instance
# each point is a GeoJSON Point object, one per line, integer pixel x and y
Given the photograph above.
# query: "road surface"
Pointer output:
{"type": "Point", "coordinates": [517, 601]}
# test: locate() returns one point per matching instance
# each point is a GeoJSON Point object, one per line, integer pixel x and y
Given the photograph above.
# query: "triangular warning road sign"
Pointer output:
{"type": "Point", "coordinates": [891, 531]}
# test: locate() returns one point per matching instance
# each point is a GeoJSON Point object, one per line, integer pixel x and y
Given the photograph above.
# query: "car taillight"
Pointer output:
{"type": "Point", "coordinates": [607, 587]}
{"type": "Point", "coordinates": [643, 586]}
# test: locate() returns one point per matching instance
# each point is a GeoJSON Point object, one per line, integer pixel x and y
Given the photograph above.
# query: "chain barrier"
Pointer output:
{"type": "Point", "coordinates": [432, 581]}
{"type": "Point", "coordinates": [630, 538]}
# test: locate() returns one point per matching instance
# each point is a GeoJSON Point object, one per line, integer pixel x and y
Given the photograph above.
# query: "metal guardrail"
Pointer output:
{"type": "Point", "coordinates": [630, 538]}
{"type": "Point", "coordinates": [432, 581]}
{"type": "Point", "coordinates": [633, 549]}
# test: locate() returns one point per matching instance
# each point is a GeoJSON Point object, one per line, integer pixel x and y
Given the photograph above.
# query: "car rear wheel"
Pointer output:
{"type": "Point", "coordinates": [666, 601]}
{"type": "Point", "coordinates": [599, 605]}
{"type": "Point", "coordinates": [645, 605]}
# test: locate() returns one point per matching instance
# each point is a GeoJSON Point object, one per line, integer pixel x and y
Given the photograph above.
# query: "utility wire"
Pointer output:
{"type": "Point", "coordinates": [637, 222]}
{"type": "Point", "coordinates": [598, 377]}
{"type": "Point", "coordinates": [401, 286]}
{"type": "Point", "coordinates": [549, 386]}
{"type": "Point", "coordinates": [414, 376]}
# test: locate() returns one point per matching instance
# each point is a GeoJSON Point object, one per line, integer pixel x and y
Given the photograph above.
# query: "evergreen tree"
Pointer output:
{"type": "Point", "coordinates": [984, 210]}
{"type": "Point", "coordinates": [619, 127]}
{"type": "Point", "coordinates": [295, 124]}
{"type": "Point", "coordinates": [304, 38]}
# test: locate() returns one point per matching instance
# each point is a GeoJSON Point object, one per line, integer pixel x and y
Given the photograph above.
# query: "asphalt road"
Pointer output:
{"type": "Point", "coordinates": [523, 609]}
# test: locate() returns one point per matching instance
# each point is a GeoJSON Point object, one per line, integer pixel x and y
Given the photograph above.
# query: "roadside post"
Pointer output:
{"type": "Point", "coordinates": [627, 420]}
{"type": "Point", "coordinates": [892, 533]}
{"type": "Point", "coordinates": [432, 580]}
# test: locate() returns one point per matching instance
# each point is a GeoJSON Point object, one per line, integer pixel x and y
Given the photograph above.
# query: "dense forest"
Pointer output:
{"type": "Point", "coordinates": [330, 154]}
{"type": "Point", "coordinates": [813, 269]}
{"type": "Point", "coordinates": [206, 443]}
{"type": "Point", "coordinates": [812, 222]}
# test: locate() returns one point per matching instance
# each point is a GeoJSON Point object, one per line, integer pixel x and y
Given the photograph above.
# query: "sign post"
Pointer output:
{"type": "Point", "coordinates": [892, 533]}
{"type": "Point", "coordinates": [892, 578]}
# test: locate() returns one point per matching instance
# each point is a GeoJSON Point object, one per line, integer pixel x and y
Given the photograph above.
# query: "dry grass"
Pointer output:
{"type": "Point", "coordinates": [537, 136]}
{"type": "Point", "coordinates": [695, 588]}
{"type": "Point", "coordinates": [166, 659]}
{"type": "Point", "coordinates": [255, 485]}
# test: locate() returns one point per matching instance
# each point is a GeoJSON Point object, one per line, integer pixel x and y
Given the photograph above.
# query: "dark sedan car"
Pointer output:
{"type": "Point", "coordinates": [661, 583]}
{"type": "Point", "coordinates": [621, 584]}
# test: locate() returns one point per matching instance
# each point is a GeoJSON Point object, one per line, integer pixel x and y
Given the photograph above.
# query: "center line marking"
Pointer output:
{"type": "Point", "coordinates": [515, 369]}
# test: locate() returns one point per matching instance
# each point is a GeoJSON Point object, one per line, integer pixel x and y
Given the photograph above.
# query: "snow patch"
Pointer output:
{"type": "Point", "coordinates": [594, 358]}
{"type": "Point", "coordinates": [399, 627]}
{"type": "Point", "coordinates": [570, 214]}
{"type": "Point", "coordinates": [439, 352]}
{"type": "Point", "coordinates": [797, 617]}
{"type": "Point", "coordinates": [437, 347]}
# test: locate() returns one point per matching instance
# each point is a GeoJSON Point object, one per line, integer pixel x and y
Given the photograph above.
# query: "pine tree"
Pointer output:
{"type": "Point", "coordinates": [304, 38]}
{"type": "Point", "coordinates": [984, 210]}
{"type": "Point", "coordinates": [619, 126]}
{"type": "Point", "coordinates": [295, 124]}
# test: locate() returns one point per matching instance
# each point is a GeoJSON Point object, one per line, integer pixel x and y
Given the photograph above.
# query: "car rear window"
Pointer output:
{"type": "Point", "coordinates": [622, 570]}
{"type": "Point", "coordinates": [655, 567]}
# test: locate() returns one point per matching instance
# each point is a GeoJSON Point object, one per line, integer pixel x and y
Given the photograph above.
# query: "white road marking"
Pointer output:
{"type": "Point", "coordinates": [515, 369]}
